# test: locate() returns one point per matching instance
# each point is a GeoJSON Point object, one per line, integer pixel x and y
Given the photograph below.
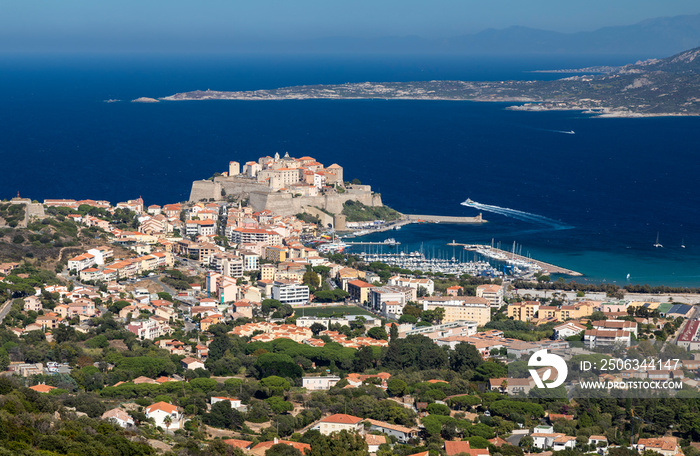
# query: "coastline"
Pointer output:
{"type": "Point", "coordinates": [531, 104]}
{"type": "Point", "coordinates": [600, 112]}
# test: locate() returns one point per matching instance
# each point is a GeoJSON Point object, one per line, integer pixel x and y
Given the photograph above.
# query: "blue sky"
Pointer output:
{"type": "Point", "coordinates": [160, 24]}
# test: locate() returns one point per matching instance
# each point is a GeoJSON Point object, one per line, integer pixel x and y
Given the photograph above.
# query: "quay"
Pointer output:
{"type": "Point", "coordinates": [388, 242]}
{"type": "Point", "coordinates": [545, 267]}
{"type": "Point", "coordinates": [444, 218]}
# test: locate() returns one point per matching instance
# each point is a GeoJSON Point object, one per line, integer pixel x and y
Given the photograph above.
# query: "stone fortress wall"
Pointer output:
{"type": "Point", "coordinates": [262, 196]}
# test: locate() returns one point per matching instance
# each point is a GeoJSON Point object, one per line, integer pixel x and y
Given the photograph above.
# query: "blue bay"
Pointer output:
{"type": "Point", "coordinates": [614, 184]}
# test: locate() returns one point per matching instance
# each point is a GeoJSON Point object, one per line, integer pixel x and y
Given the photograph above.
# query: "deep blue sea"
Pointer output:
{"type": "Point", "coordinates": [605, 192]}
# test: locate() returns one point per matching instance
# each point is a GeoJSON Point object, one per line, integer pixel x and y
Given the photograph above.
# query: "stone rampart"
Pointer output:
{"type": "Point", "coordinates": [205, 190]}
{"type": "Point", "coordinates": [262, 197]}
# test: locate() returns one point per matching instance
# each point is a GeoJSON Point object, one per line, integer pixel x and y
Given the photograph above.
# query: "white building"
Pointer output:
{"type": "Point", "coordinates": [427, 284]}
{"type": "Point", "coordinates": [616, 325]}
{"type": "Point", "coordinates": [402, 433]}
{"type": "Point", "coordinates": [227, 264]}
{"type": "Point", "coordinates": [118, 417]}
{"type": "Point", "coordinates": [307, 322]}
{"type": "Point", "coordinates": [392, 309]}
{"type": "Point", "coordinates": [610, 332]}
{"type": "Point", "coordinates": [32, 303]}
{"type": "Point", "coordinates": [340, 422]}
{"type": "Point", "coordinates": [378, 296]}
{"type": "Point", "coordinates": [190, 363]}
{"type": "Point", "coordinates": [251, 260]}
{"type": "Point", "coordinates": [81, 262]}
{"type": "Point", "coordinates": [568, 329]}
{"type": "Point", "coordinates": [253, 235]}
{"type": "Point", "coordinates": [291, 293]}
{"type": "Point", "coordinates": [200, 227]}
{"type": "Point", "coordinates": [148, 329]}
{"type": "Point", "coordinates": [605, 338]}
{"type": "Point", "coordinates": [492, 292]}
{"type": "Point", "coordinates": [319, 383]}
{"type": "Point", "coordinates": [160, 410]}
{"type": "Point", "coordinates": [564, 442]}
{"type": "Point", "coordinates": [235, 403]}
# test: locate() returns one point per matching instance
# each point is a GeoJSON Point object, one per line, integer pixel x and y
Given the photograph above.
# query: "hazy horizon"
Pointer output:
{"type": "Point", "coordinates": [214, 25]}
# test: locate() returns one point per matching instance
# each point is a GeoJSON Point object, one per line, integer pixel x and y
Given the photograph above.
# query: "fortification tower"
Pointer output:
{"type": "Point", "coordinates": [234, 168]}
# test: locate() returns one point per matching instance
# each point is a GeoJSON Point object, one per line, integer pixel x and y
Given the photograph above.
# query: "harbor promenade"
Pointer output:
{"type": "Point", "coordinates": [545, 267]}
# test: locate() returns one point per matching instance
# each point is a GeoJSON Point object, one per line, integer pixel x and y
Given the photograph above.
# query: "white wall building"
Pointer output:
{"type": "Point", "coordinates": [340, 422]}
{"type": "Point", "coordinates": [568, 329]}
{"type": "Point", "coordinates": [235, 403]}
{"type": "Point", "coordinates": [319, 383]}
{"type": "Point", "coordinates": [118, 417]}
{"type": "Point", "coordinates": [160, 410]}
{"type": "Point", "coordinates": [492, 292]}
{"type": "Point", "coordinates": [290, 293]}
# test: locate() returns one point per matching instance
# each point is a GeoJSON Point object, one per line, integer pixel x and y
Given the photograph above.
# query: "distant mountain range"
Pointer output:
{"type": "Point", "coordinates": [652, 37]}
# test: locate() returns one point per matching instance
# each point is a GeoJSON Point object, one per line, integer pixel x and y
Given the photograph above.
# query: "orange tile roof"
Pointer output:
{"type": "Point", "coordinates": [372, 439]}
{"type": "Point", "coordinates": [42, 388]}
{"type": "Point", "coordinates": [164, 406]}
{"type": "Point", "coordinates": [341, 418]}
{"type": "Point", "coordinates": [303, 447]}
{"type": "Point", "coordinates": [238, 443]}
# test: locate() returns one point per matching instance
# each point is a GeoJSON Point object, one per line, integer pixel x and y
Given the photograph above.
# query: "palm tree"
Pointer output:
{"type": "Point", "coordinates": [504, 385]}
{"type": "Point", "coordinates": [167, 421]}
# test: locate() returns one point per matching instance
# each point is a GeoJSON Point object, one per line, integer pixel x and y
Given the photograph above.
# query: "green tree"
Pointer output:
{"type": "Point", "coordinates": [378, 332]}
{"type": "Point", "coordinates": [396, 387]}
{"type": "Point", "coordinates": [465, 357]}
{"type": "Point", "coordinates": [274, 386]}
{"type": "Point", "coordinates": [277, 364]}
{"type": "Point", "coordinates": [316, 328]}
{"type": "Point", "coordinates": [4, 359]}
{"type": "Point", "coordinates": [339, 443]}
{"type": "Point", "coordinates": [393, 333]}
{"type": "Point", "coordinates": [438, 409]}
{"type": "Point", "coordinates": [311, 279]}
{"type": "Point", "coordinates": [282, 449]}
{"type": "Point", "coordinates": [223, 416]}
{"type": "Point", "coordinates": [410, 319]}
{"type": "Point", "coordinates": [279, 405]}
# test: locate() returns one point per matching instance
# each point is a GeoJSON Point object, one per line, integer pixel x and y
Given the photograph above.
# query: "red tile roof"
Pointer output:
{"type": "Point", "coordinates": [342, 419]}
{"type": "Point", "coordinates": [42, 388]}
{"type": "Point", "coordinates": [164, 406]}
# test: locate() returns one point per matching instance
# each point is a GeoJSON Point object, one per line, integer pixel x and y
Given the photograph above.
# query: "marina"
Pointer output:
{"type": "Point", "coordinates": [515, 259]}
{"type": "Point", "coordinates": [417, 261]}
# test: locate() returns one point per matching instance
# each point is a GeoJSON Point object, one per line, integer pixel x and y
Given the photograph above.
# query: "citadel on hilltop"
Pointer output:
{"type": "Point", "coordinates": [286, 186]}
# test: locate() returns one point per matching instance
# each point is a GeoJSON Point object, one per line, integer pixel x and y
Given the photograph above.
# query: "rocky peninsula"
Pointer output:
{"type": "Point", "coordinates": [659, 87]}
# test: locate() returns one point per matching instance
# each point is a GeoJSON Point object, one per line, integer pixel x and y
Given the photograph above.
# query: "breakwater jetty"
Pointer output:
{"type": "Point", "coordinates": [503, 255]}
{"type": "Point", "coordinates": [443, 218]}
{"type": "Point", "coordinates": [389, 242]}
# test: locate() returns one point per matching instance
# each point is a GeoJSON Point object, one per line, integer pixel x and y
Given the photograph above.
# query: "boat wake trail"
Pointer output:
{"type": "Point", "coordinates": [564, 132]}
{"type": "Point", "coordinates": [518, 215]}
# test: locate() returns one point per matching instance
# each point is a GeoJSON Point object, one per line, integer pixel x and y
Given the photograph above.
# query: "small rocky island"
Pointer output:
{"type": "Point", "coordinates": [658, 87]}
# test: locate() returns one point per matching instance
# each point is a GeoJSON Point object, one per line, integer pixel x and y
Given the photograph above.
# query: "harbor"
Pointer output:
{"type": "Point", "coordinates": [495, 253]}
{"type": "Point", "coordinates": [417, 261]}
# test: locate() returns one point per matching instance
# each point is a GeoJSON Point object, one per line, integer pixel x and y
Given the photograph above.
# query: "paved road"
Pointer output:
{"type": "Point", "coordinates": [5, 309]}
